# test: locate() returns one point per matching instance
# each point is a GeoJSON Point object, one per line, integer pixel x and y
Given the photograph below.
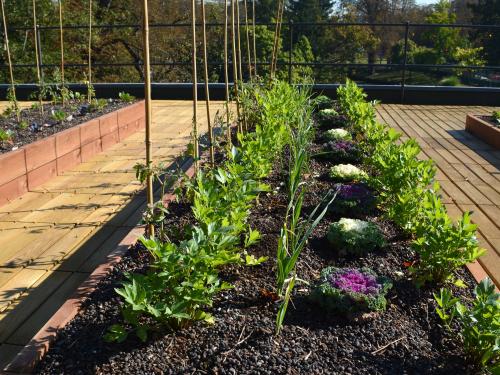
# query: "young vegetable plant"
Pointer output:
{"type": "Point", "coordinates": [479, 323]}
{"type": "Point", "coordinates": [126, 97]}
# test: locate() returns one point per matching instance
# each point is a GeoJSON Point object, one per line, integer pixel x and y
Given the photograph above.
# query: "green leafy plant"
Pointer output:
{"type": "Point", "coordinates": [442, 246]}
{"type": "Point", "coordinates": [6, 135]}
{"type": "Point", "coordinates": [479, 323]}
{"type": "Point", "coordinates": [126, 97]}
{"type": "Point", "coordinates": [322, 102]}
{"type": "Point", "coordinates": [58, 116]}
{"type": "Point", "coordinates": [495, 115]}
{"type": "Point", "coordinates": [97, 104]}
{"type": "Point", "coordinates": [353, 236]}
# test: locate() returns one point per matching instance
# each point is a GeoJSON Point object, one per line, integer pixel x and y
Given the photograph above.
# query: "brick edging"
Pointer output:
{"type": "Point", "coordinates": [483, 130]}
{"type": "Point", "coordinates": [34, 164]}
{"type": "Point", "coordinates": [26, 360]}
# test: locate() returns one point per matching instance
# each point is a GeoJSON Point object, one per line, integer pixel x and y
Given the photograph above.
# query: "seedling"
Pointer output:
{"type": "Point", "coordinates": [126, 97]}
{"type": "Point", "coordinates": [59, 116]}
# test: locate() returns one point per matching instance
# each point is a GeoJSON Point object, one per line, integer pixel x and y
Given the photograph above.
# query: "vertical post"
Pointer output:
{"type": "Point", "coordinates": [238, 36]}
{"type": "Point", "coordinates": [248, 40]}
{"type": "Point", "coordinates": [226, 73]}
{"type": "Point", "coordinates": [39, 51]}
{"type": "Point", "coordinates": [195, 87]}
{"type": "Point", "coordinates": [290, 52]}
{"type": "Point", "coordinates": [61, 36]}
{"type": "Point", "coordinates": [207, 92]}
{"type": "Point", "coordinates": [405, 60]}
{"type": "Point", "coordinates": [9, 61]}
{"type": "Point", "coordinates": [37, 56]}
{"type": "Point", "coordinates": [89, 93]}
{"type": "Point", "coordinates": [254, 43]}
{"type": "Point", "coordinates": [147, 96]}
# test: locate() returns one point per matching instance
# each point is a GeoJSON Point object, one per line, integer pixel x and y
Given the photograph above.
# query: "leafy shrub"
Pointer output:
{"type": "Point", "coordinates": [495, 115]}
{"type": "Point", "coordinates": [353, 236]}
{"type": "Point", "coordinates": [126, 97]}
{"type": "Point", "coordinates": [351, 290]}
{"type": "Point", "coordinates": [479, 323]}
{"type": "Point", "coordinates": [450, 81]}
{"type": "Point", "coordinates": [341, 152]}
{"type": "Point", "coordinates": [180, 284]}
{"type": "Point", "coordinates": [353, 198]}
{"type": "Point", "coordinates": [347, 173]}
{"type": "Point", "coordinates": [442, 246]}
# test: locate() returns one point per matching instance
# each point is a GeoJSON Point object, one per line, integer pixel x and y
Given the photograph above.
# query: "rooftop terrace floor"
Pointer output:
{"type": "Point", "coordinates": [55, 236]}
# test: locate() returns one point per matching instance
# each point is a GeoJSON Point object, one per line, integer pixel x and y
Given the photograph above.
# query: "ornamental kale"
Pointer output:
{"type": "Point", "coordinates": [337, 135]}
{"type": "Point", "coordinates": [355, 197]}
{"type": "Point", "coordinates": [322, 102]}
{"type": "Point", "coordinates": [347, 172]}
{"type": "Point", "coordinates": [351, 290]}
{"type": "Point", "coordinates": [341, 152]}
{"type": "Point", "coordinates": [354, 236]}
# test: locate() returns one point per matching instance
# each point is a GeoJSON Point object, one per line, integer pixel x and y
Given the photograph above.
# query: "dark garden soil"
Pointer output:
{"type": "Point", "coordinates": [407, 339]}
{"type": "Point", "coordinates": [34, 126]}
{"type": "Point", "coordinates": [490, 120]}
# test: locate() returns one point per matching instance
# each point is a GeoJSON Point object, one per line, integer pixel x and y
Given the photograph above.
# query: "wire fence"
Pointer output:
{"type": "Point", "coordinates": [402, 72]}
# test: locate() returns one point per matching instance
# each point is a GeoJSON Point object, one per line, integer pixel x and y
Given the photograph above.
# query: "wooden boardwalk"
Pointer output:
{"type": "Point", "coordinates": [55, 236]}
{"type": "Point", "coordinates": [468, 169]}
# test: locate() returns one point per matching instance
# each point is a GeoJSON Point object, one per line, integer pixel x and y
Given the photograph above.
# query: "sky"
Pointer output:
{"type": "Point", "coordinates": [426, 1]}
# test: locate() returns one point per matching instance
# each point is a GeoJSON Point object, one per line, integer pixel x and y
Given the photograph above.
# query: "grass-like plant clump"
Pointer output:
{"type": "Point", "coordinates": [354, 236]}
{"type": "Point", "coordinates": [348, 291]}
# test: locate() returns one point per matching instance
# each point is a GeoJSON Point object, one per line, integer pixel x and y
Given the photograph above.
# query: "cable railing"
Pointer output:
{"type": "Point", "coordinates": [359, 70]}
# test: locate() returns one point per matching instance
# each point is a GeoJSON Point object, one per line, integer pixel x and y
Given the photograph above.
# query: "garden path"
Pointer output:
{"type": "Point", "coordinates": [468, 168]}
{"type": "Point", "coordinates": [53, 237]}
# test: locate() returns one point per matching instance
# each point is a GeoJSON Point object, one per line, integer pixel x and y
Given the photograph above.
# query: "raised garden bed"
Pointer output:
{"type": "Point", "coordinates": [64, 146]}
{"type": "Point", "coordinates": [365, 301]}
{"type": "Point", "coordinates": [485, 128]}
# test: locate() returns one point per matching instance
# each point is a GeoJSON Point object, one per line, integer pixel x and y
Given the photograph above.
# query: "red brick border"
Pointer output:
{"type": "Point", "coordinates": [483, 130]}
{"type": "Point", "coordinates": [26, 360]}
{"type": "Point", "coordinates": [37, 162]}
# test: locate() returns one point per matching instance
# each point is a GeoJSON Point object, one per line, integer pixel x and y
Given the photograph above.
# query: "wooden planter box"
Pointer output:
{"type": "Point", "coordinates": [483, 129]}
{"type": "Point", "coordinates": [34, 164]}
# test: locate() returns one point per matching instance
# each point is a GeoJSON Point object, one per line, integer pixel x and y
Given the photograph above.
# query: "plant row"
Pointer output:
{"type": "Point", "coordinates": [407, 195]}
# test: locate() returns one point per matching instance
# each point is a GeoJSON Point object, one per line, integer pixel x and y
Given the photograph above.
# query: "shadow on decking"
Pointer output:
{"type": "Point", "coordinates": [110, 235]}
{"type": "Point", "coordinates": [475, 144]}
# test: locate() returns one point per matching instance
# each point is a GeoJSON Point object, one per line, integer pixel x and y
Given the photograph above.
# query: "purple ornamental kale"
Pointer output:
{"type": "Point", "coordinates": [352, 280]}
{"type": "Point", "coordinates": [346, 146]}
{"type": "Point", "coordinates": [353, 191]}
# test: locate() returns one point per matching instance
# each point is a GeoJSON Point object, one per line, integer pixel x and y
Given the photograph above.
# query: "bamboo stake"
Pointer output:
{"type": "Point", "coordinates": [276, 40]}
{"type": "Point", "coordinates": [226, 73]}
{"type": "Point", "coordinates": [195, 87]}
{"type": "Point", "coordinates": [207, 92]}
{"type": "Point", "coordinates": [147, 96]}
{"type": "Point", "coordinates": [254, 43]}
{"type": "Point", "coordinates": [280, 22]}
{"type": "Point", "coordinates": [62, 48]}
{"type": "Point", "coordinates": [37, 57]}
{"type": "Point", "coordinates": [9, 61]}
{"type": "Point", "coordinates": [248, 40]}
{"type": "Point", "coordinates": [235, 63]}
{"type": "Point", "coordinates": [89, 93]}
{"type": "Point", "coordinates": [240, 69]}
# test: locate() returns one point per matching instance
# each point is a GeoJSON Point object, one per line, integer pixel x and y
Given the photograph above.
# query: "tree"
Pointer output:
{"type": "Point", "coordinates": [444, 40]}
{"type": "Point", "coordinates": [487, 12]}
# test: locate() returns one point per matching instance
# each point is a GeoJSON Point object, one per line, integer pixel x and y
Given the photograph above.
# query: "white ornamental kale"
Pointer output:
{"type": "Point", "coordinates": [347, 172]}
{"type": "Point", "coordinates": [338, 135]}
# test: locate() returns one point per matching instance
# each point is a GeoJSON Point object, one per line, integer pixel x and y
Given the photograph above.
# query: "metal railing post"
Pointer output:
{"type": "Point", "coordinates": [40, 56]}
{"type": "Point", "coordinates": [405, 61]}
{"type": "Point", "coordinates": [290, 51]}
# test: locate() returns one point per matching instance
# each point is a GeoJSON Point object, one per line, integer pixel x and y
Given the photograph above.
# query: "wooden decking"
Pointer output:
{"type": "Point", "coordinates": [52, 238]}
{"type": "Point", "coordinates": [468, 169]}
